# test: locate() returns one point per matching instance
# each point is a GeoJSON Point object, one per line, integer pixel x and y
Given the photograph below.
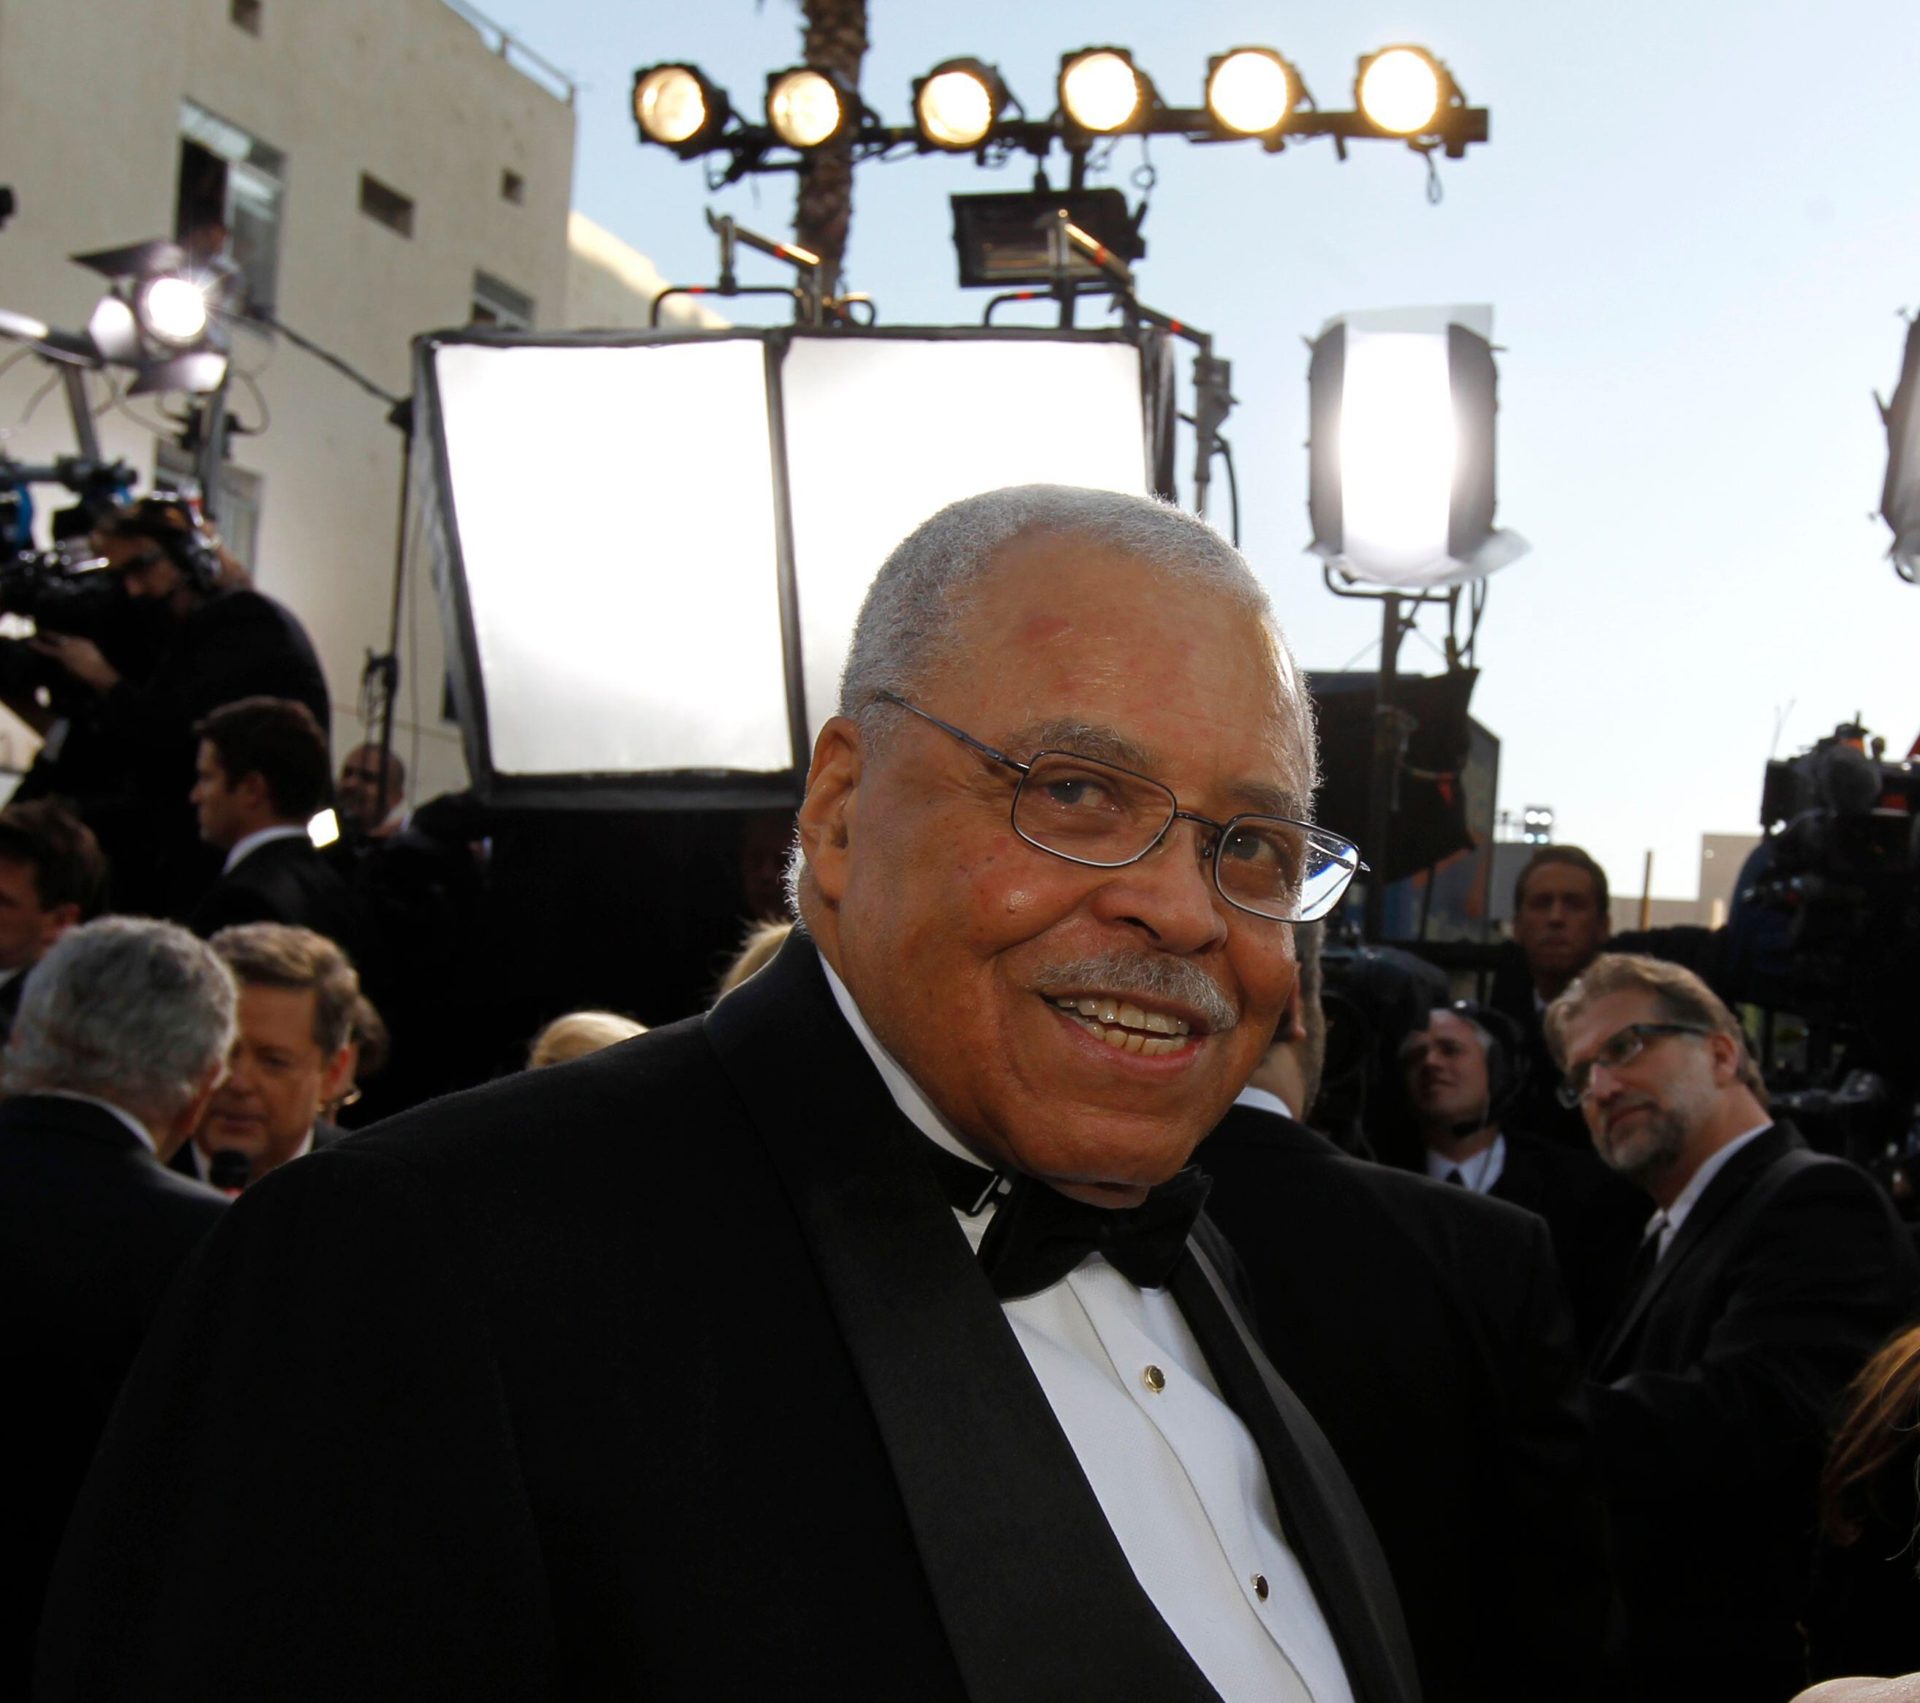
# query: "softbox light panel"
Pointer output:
{"type": "Point", "coordinates": [883, 430]}
{"type": "Point", "coordinates": [1400, 479]}
{"type": "Point", "coordinates": [649, 549]}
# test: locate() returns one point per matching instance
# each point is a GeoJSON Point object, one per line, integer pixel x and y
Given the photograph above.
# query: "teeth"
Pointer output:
{"type": "Point", "coordinates": [1126, 1027]}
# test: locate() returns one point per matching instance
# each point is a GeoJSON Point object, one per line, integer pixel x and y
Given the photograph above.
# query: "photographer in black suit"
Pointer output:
{"type": "Point", "coordinates": [1383, 1296]}
{"type": "Point", "coordinates": [120, 1039]}
{"type": "Point", "coordinates": [860, 1338]}
{"type": "Point", "coordinates": [130, 764]}
{"type": "Point", "coordinates": [1767, 1277]}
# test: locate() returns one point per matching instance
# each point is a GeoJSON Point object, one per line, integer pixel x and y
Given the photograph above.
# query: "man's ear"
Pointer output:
{"type": "Point", "coordinates": [337, 1075]}
{"type": "Point", "coordinates": [253, 791]}
{"type": "Point", "coordinates": [1728, 1054]}
{"type": "Point", "coordinates": [826, 819]}
{"type": "Point", "coordinates": [57, 920]}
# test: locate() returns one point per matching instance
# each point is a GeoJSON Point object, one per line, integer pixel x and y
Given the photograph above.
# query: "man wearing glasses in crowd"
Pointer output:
{"type": "Point", "coordinates": [859, 1339]}
{"type": "Point", "coordinates": [1767, 1277]}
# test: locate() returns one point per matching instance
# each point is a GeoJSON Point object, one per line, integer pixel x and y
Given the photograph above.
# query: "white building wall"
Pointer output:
{"type": "Point", "coordinates": [403, 89]}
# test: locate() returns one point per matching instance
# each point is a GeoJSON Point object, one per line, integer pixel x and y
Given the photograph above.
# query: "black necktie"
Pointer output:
{"type": "Point", "coordinates": [1038, 1235]}
{"type": "Point", "coordinates": [1456, 1176]}
{"type": "Point", "coordinates": [1645, 1258]}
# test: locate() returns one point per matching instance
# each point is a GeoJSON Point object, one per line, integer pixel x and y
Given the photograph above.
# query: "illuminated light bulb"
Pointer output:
{"type": "Point", "coordinates": [1100, 90]}
{"type": "Point", "coordinates": [1400, 90]}
{"type": "Point", "coordinates": [955, 108]}
{"type": "Point", "coordinates": [1251, 91]}
{"type": "Point", "coordinates": [804, 108]}
{"type": "Point", "coordinates": [174, 310]}
{"type": "Point", "coordinates": [670, 105]}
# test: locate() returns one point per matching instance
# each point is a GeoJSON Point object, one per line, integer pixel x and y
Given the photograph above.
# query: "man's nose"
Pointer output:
{"type": "Point", "coordinates": [1169, 894]}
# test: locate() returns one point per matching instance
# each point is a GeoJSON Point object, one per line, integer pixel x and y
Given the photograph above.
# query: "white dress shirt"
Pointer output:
{"type": "Point", "coordinates": [1478, 1173]}
{"type": "Point", "coordinates": [1175, 1471]}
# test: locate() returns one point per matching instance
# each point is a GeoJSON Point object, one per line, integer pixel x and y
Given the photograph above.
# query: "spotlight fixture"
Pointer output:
{"type": "Point", "coordinates": [1100, 89]}
{"type": "Point", "coordinates": [1402, 90]}
{"type": "Point", "coordinates": [1004, 238]}
{"type": "Point", "coordinates": [807, 108]}
{"type": "Point", "coordinates": [955, 104]}
{"type": "Point", "coordinates": [158, 318]}
{"type": "Point", "coordinates": [678, 106]}
{"type": "Point", "coordinates": [1251, 91]}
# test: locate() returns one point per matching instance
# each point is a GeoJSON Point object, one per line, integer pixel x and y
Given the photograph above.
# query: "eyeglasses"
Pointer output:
{"type": "Point", "coordinates": [1620, 1048]}
{"type": "Point", "coordinates": [1098, 814]}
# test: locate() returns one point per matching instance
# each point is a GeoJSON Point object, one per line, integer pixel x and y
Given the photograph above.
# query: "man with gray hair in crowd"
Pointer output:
{"type": "Point", "coordinates": [1767, 1276]}
{"type": "Point", "coordinates": [861, 1337]}
{"type": "Point", "coordinates": [122, 1035]}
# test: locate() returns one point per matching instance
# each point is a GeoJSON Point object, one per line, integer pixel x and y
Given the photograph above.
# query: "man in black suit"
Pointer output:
{"type": "Point", "coordinates": [52, 878]}
{"type": "Point", "coordinates": [292, 1057]}
{"type": "Point", "coordinates": [856, 1339]}
{"type": "Point", "coordinates": [1561, 921]}
{"type": "Point", "coordinates": [1383, 1296]}
{"type": "Point", "coordinates": [1769, 1274]}
{"type": "Point", "coordinates": [1463, 1073]}
{"type": "Point", "coordinates": [120, 1038]}
{"type": "Point", "coordinates": [262, 775]}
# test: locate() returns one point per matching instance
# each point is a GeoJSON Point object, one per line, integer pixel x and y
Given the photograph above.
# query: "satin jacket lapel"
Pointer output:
{"type": "Point", "coordinates": [1722, 1192]}
{"type": "Point", "coordinates": [1320, 1512]}
{"type": "Point", "coordinates": [1035, 1593]}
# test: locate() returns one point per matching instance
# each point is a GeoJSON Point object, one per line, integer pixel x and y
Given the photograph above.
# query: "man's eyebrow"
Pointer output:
{"type": "Point", "coordinates": [1110, 745]}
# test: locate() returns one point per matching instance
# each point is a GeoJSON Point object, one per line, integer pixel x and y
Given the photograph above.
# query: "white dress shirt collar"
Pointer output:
{"type": "Point", "coordinates": [1264, 1100]}
{"type": "Point", "coordinates": [260, 837]}
{"type": "Point", "coordinates": [1478, 1173]}
{"type": "Point", "coordinates": [1689, 1197]}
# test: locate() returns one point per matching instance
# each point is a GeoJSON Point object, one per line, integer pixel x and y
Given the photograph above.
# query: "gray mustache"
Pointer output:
{"type": "Point", "coordinates": [1147, 974]}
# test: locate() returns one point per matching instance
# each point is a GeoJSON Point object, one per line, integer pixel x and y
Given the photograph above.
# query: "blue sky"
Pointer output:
{"type": "Point", "coordinates": [1696, 225]}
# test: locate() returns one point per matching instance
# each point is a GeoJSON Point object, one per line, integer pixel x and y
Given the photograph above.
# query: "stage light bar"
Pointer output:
{"type": "Point", "coordinates": [1251, 91]}
{"type": "Point", "coordinates": [806, 108]}
{"type": "Point", "coordinates": [677, 106]}
{"type": "Point", "coordinates": [1100, 90]}
{"type": "Point", "coordinates": [956, 103]}
{"type": "Point", "coordinates": [1402, 90]}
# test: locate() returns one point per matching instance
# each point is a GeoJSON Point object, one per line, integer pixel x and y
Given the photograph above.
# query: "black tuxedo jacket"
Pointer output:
{"type": "Point", "coordinates": [1714, 1387]}
{"type": "Point", "coordinates": [284, 881]}
{"type": "Point", "coordinates": [92, 1230]}
{"type": "Point", "coordinates": [1424, 1328]}
{"type": "Point", "coordinates": [1594, 1217]}
{"type": "Point", "coordinates": [666, 1374]}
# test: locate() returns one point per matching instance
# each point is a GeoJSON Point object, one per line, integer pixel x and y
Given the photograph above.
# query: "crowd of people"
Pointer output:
{"type": "Point", "coordinates": [864, 1334]}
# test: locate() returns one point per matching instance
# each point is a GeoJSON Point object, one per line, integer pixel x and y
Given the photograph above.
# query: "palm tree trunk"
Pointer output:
{"type": "Point", "coordinates": [835, 40]}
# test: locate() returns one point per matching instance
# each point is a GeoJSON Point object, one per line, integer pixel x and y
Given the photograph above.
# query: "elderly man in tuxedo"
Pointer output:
{"type": "Point", "coordinates": [1767, 1276]}
{"type": "Point", "coordinates": [859, 1338]}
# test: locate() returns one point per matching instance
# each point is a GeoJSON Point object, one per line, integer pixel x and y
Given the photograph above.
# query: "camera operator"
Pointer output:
{"type": "Point", "coordinates": [218, 640]}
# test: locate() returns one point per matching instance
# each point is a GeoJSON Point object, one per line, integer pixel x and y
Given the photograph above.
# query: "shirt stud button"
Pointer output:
{"type": "Point", "coordinates": [1260, 1586]}
{"type": "Point", "coordinates": [1154, 1379]}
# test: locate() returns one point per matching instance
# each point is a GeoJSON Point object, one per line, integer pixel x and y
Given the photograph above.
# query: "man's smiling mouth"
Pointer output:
{"type": "Point", "coordinates": [1124, 1026]}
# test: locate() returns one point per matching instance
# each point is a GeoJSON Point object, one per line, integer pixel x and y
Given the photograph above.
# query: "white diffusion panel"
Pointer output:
{"type": "Point", "coordinates": [615, 518]}
{"type": "Point", "coordinates": [882, 431]}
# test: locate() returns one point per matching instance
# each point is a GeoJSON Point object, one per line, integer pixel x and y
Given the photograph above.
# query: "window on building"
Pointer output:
{"type": "Point", "coordinates": [513, 187]}
{"type": "Point", "coordinates": [500, 305]}
{"type": "Point", "coordinates": [236, 502]}
{"type": "Point", "coordinates": [385, 204]}
{"type": "Point", "coordinates": [228, 202]}
{"type": "Point", "coordinates": [246, 13]}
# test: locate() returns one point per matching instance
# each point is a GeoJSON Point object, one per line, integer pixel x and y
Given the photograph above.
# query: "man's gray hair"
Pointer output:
{"type": "Point", "coordinates": [125, 1009]}
{"type": "Point", "coordinates": [908, 626]}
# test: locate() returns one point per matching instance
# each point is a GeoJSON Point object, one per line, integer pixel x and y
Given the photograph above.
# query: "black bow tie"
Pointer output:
{"type": "Point", "coordinates": [1038, 1234]}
